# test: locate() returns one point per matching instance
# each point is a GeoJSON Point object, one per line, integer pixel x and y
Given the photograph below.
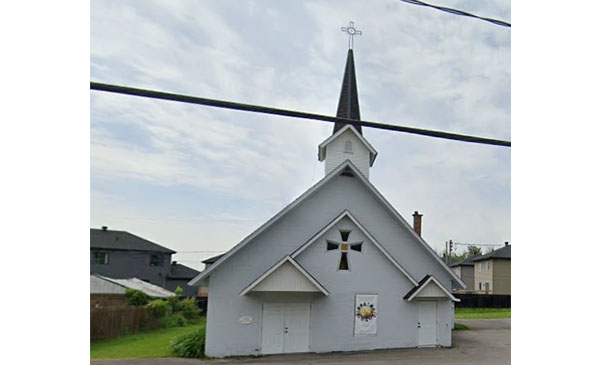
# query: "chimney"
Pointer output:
{"type": "Point", "coordinates": [417, 222]}
{"type": "Point", "coordinates": [104, 228]}
{"type": "Point", "coordinates": [505, 243]}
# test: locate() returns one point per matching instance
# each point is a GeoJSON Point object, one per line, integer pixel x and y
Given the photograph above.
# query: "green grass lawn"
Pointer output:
{"type": "Point", "coordinates": [461, 327]}
{"type": "Point", "coordinates": [481, 313]}
{"type": "Point", "coordinates": [153, 343]}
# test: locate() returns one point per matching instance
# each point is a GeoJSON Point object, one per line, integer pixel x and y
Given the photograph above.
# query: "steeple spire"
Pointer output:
{"type": "Point", "coordinates": [348, 104]}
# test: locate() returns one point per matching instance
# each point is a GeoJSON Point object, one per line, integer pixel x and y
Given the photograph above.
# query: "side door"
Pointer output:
{"type": "Point", "coordinates": [427, 323]}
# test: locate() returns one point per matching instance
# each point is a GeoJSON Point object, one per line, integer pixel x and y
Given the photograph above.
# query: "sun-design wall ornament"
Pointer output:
{"type": "Point", "coordinates": [365, 311]}
{"type": "Point", "coordinates": [344, 247]}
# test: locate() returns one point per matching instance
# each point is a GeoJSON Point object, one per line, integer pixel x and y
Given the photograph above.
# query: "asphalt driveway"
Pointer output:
{"type": "Point", "coordinates": [488, 342]}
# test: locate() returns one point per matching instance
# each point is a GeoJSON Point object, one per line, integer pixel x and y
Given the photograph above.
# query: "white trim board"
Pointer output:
{"type": "Point", "coordinates": [324, 144]}
{"type": "Point", "coordinates": [279, 264]}
{"type": "Point", "coordinates": [432, 279]}
{"type": "Point", "coordinates": [308, 193]}
{"type": "Point", "coordinates": [347, 214]}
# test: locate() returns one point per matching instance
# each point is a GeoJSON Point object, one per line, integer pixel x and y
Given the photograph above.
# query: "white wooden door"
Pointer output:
{"type": "Point", "coordinates": [427, 323]}
{"type": "Point", "coordinates": [273, 323]}
{"type": "Point", "coordinates": [285, 327]}
{"type": "Point", "coordinates": [297, 318]}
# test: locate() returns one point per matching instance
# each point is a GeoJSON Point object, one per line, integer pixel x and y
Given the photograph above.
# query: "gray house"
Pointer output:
{"type": "Point", "coordinates": [122, 255]}
{"type": "Point", "coordinates": [180, 275]}
{"type": "Point", "coordinates": [338, 269]}
{"type": "Point", "coordinates": [465, 270]}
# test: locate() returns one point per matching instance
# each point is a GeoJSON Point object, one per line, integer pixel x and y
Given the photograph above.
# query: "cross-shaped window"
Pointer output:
{"type": "Point", "coordinates": [344, 247]}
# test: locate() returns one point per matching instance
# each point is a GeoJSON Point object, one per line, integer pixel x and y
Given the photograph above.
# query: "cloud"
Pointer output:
{"type": "Point", "coordinates": [415, 66]}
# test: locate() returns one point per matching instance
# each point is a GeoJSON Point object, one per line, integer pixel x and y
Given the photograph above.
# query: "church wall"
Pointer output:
{"type": "Point", "coordinates": [337, 154]}
{"type": "Point", "coordinates": [227, 336]}
{"type": "Point", "coordinates": [370, 272]}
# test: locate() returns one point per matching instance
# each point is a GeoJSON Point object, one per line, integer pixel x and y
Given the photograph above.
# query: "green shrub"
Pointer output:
{"type": "Point", "coordinates": [136, 297]}
{"type": "Point", "coordinates": [190, 345]}
{"type": "Point", "coordinates": [173, 320]}
{"type": "Point", "coordinates": [189, 308]}
{"type": "Point", "coordinates": [159, 308]}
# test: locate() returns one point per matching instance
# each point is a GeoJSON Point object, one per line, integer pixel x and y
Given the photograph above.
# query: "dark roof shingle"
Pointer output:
{"type": "Point", "coordinates": [179, 271]}
{"type": "Point", "coordinates": [121, 240]}
{"type": "Point", "coordinates": [466, 262]}
{"type": "Point", "coordinates": [501, 253]}
{"type": "Point", "coordinates": [213, 259]}
{"type": "Point", "coordinates": [348, 105]}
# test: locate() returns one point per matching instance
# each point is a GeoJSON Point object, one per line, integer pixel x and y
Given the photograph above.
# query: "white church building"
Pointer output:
{"type": "Point", "coordinates": [338, 269]}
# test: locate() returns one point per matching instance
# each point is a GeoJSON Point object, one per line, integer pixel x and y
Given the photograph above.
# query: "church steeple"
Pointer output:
{"type": "Point", "coordinates": [347, 141]}
{"type": "Point", "coordinates": [348, 104]}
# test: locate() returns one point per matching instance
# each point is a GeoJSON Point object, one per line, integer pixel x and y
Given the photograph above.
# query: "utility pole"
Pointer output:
{"type": "Point", "coordinates": [446, 252]}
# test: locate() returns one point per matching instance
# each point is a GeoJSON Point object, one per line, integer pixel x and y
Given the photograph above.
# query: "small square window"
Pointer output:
{"type": "Point", "coordinates": [100, 258]}
{"type": "Point", "coordinates": [157, 260]}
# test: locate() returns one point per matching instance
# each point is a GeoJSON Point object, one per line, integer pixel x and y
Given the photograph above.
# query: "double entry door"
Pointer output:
{"type": "Point", "coordinates": [285, 327]}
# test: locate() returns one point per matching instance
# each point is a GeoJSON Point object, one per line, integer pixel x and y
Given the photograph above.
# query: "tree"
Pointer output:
{"type": "Point", "coordinates": [473, 251]}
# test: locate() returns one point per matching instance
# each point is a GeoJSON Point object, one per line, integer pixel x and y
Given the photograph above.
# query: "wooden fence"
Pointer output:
{"type": "Point", "coordinates": [111, 322]}
{"type": "Point", "coordinates": [482, 301]}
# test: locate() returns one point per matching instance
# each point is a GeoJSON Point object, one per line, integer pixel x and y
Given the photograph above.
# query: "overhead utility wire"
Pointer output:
{"type": "Point", "coordinates": [458, 12]}
{"type": "Point", "coordinates": [290, 113]}
{"type": "Point", "coordinates": [478, 244]}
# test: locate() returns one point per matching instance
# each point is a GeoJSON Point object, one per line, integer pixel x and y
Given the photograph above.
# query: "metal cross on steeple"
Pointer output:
{"type": "Point", "coordinates": [351, 33]}
{"type": "Point", "coordinates": [344, 247]}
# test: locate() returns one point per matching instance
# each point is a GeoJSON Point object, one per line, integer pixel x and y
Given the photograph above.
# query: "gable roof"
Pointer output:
{"type": "Point", "coordinates": [323, 145]}
{"type": "Point", "coordinates": [348, 104]}
{"type": "Point", "coordinates": [212, 260]}
{"type": "Point", "coordinates": [347, 214]}
{"type": "Point", "coordinates": [429, 280]}
{"type": "Point", "coordinates": [137, 284]}
{"type": "Point", "coordinates": [273, 269]}
{"type": "Point", "coordinates": [121, 240]}
{"type": "Point", "coordinates": [466, 262]}
{"type": "Point", "coordinates": [501, 253]}
{"type": "Point", "coordinates": [179, 271]}
{"type": "Point", "coordinates": [341, 168]}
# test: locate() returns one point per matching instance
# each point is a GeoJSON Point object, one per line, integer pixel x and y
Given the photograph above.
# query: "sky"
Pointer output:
{"type": "Point", "coordinates": [198, 179]}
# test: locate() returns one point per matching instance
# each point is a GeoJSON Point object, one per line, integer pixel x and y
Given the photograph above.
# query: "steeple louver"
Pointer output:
{"type": "Point", "coordinates": [348, 104]}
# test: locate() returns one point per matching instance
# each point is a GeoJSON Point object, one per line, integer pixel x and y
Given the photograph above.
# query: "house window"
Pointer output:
{"type": "Point", "coordinates": [100, 258]}
{"type": "Point", "coordinates": [348, 146]}
{"type": "Point", "coordinates": [487, 286]}
{"type": "Point", "coordinates": [480, 285]}
{"type": "Point", "coordinates": [157, 260]}
{"type": "Point", "coordinates": [487, 266]}
{"type": "Point", "coordinates": [479, 270]}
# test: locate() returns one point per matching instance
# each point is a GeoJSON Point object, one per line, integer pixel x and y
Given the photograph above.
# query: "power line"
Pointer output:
{"type": "Point", "coordinates": [458, 12]}
{"type": "Point", "coordinates": [290, 113]}
{"type": "Point", "coordinates": [478, 244]}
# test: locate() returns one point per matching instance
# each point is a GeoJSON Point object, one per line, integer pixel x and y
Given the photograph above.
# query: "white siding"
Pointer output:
{"type": "Point", "coordinates": [286, 278]}
{"type": "Point", "coordinates": [336, 153]}
{"type": "Point", "coordinates": [431, 291]}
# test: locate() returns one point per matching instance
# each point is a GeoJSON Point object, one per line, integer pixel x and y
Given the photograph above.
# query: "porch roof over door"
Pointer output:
{"type": "Point", "coordinates": [285, 276]}
{"type": "Point", "coordinates": [429, 288]}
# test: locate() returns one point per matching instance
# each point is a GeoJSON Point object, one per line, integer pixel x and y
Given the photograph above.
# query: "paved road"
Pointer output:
{"type": "Point", "coordinates": [488, 342]}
